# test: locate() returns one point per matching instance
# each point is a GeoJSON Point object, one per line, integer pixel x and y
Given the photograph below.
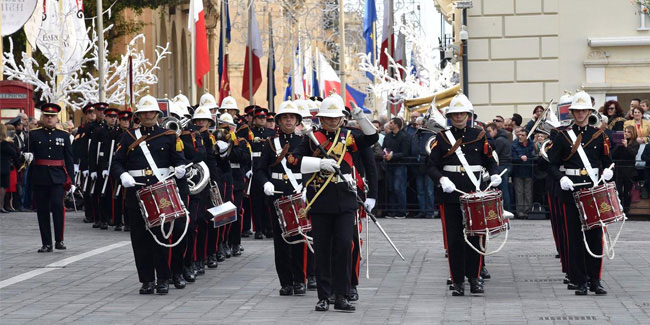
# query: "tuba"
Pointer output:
{"type": "Point", "coordinates": [172, 123]}
{"type": "Point", "coordinates": [198, 176]}
{"type": "Point", "coordinates": [433, 121]}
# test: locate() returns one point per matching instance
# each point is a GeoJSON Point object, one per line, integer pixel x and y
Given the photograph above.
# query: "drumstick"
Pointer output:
{"type": "Point", "coordinates": [602, 177]}
{"type": "Point", "coordinates": [141, 184]}
{"type": "Point", "coordinates": [174, 172]}
{"type": "Point", "coordinates": [581, 184]}
{"type": "Point", "coordinates": [500, 175]}
{"type": "Point", "coordinates": [461, 192]}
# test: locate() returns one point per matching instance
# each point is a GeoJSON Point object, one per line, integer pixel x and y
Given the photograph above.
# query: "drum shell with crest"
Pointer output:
{"type": "Point", "coordinates": [292, 216]}
{"type": "Point", "coordinates": [483, 213]}
{"type": "Point", "coordinates": [599, 204]}
{"type": "Point", "coordinates": [160, 203]}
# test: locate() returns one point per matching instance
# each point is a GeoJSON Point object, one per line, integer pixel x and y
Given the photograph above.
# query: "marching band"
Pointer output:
{"type": "Point", "coordinates": [190, 185]}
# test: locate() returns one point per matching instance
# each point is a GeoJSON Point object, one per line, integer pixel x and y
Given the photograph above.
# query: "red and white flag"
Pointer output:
{"type": "Point", "coordinates": [400, 52]}
{"type": "Point", "coordinates": [196, 24]}
{"type": "Point", "coordinates": [254, 43]}
{"type": "Point", "coordinates": [386, 35]}
{"type": "Point", "coordinates": [330, 81]}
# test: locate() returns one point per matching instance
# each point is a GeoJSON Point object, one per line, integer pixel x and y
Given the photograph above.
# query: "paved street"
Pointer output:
{"type": "Point", "coordinates": [101, 286]}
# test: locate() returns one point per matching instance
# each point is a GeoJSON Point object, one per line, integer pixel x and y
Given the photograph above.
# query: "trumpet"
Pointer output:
{"type": "Point", "coordinates": [172, 123]}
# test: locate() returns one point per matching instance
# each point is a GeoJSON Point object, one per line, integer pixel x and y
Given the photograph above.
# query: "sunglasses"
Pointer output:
{"type": "Point", "coordinates": [613, 107]}
{"type": "Point", "coordinates": [497, 121]}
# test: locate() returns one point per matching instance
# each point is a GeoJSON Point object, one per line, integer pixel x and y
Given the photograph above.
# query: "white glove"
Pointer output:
{"type": "Point", "coordinates": [223, 146]}
{"type": "Point", "coordinates": [328, 165]}
{"type": "Point", "coordinates": [127, 180]}
{"type": "Point", "coordinates": [93, 175]}
{"type": "Point", "coordinates": [105, 173]}
{"type": "Point", "coordinates": [447, 185]}
{"type": "Point", "coordinates": [495, 180]}
{"type": "Point", "coordinates": [28, 157]}
{"type": "Point", "coordinates": [72, 189]}
{"type": "Point", "coordinates": [249, 174]}
{"type": "Point", "coordinates": [370, 204]}
{"type": "Point", "coordinates": [566, 184]}
{"type": "Point", "coordinates": [357, 113]}
{"type": "Point", "coordinates": [608, 174]}
{"type": "Point", "coordinates": [84, 173]}
{"type": "Point", "coordinates": [269, 189]}
{"type": "Point", "coordinates": [76, 168]}
{"type": "Point", "coordinates": [179, 171]}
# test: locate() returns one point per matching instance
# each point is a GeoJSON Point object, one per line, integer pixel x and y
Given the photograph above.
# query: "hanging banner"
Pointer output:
{"type": "Point", "coordinates": [63, 34]}
{"type": "Point", "coordinates": [33, 25]}
{"type": "Point", "coordinates": [15, 14]}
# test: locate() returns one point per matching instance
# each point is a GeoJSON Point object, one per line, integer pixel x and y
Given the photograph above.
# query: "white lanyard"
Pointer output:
{"type": "Point", "coordinates": [283, 162]}
{"type": "Point", "coordinates": [463, 161]}
{"type": "Point", "coordinates": [147, 155]}
{"type": "Point", "coordinates": [583, 157]}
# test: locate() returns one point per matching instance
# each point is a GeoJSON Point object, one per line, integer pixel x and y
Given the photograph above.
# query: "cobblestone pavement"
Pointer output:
{"type": "Point", "coordinates": [101, 286]}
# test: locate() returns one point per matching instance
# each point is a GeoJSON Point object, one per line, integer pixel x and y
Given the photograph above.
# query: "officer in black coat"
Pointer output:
{"type": "Point", "coordinates": [446, 169]}
{"type": "Point", "coordinates": [260, 211]}
{"type": "Point", "coordinates": [133, 169]}
{"type": "Point", "coordinates": [333, 224]}
{"type": "Point", "coordinates": [280, 183]}
{"type": "Point", "coordinates": [50, 175]}
{"type": "Point", "coordinates": [81, 148]}
{"type": "Point", "coordinates": [584, 269]}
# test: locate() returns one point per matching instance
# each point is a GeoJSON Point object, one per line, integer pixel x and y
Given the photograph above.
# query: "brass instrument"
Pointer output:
{"type": "Point", "coordinates": [172, 123]}
{"type": "Point", "coordinates": [444, 98]}
{"type": "Point", "coordinates": [198, 177]}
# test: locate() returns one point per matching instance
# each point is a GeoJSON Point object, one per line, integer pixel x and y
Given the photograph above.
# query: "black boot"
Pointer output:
{"type": "Point", "coordinates": [200, 267]}
{"type": "Point", "coordinates": [45, 249]}
{"type": "Point", "coordinates": [299, 288]}
{"type": "Point", "coordinates": [286, 290]}
{"type": "Point", "coordinates": [227, 250]}
{"type": "Point", "coordinates": [459, 289]}
{"type": "Point", "coordinates": [353, 295]}
{"type": "Point", "coordinates": [59, 245]}
{"type": "Point", "coordinates": [246, 233]}
{"type": "Point", "coordinates": [162, 287]}
{"type": "Point", "coordinates": [596, 287]}
{"type": "Point", "coordinates": [485, 274]}
{"type": "Point", "coordinates": [147, 288]}
{"type": "Point", "coordinates": [572, 286]}
{"type": "Point", "coordinates": [212, 261]}
{"type": "Point", "coordinates": [322, 305]}
{"type": "Point", "coordinates": [341, 303]}
{"type": "Point", "coordinates": [449, 282]}
{"type": "Point", "coordinates": [236, 250]}
{"type": "Point", "coordinates": [188, 274]}
{"type": "Point", "coordinates": [311, 283]}
{"type": "Point", "coordinates": [475, 286]}
{"type": "Point", "coordinates": [179, 282]}
{"type": "Point", "coordinates": [582, 290]}
{"type": "Point", "coordinates": [118, 228]}
{"type": "Point", "coordinates": [221, 255]}
{"type": "Point", "coordinates": [258, 235]}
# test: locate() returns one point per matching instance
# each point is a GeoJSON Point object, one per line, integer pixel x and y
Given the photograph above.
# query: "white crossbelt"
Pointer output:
{"type": "Point", "coordinates": [235, 165]}
{"type": "Point", "coordinates": [580, 172]}
{"type": "Point", "coordinates": [346, 178]}
{"type": "Point", "coordinates": [462, 169]}
{"type": "Point", "coordinates": [583, 157]}
{"type": "Point", "coordinates": [283, 176]}
{"type": "Point", "coordinates": [463, 160]}
{"type": "Point", "coordinates": [292, 178]}
{"type": "Point", "coordinates": [147, 155]}
{"type": "Point", "coordinates": [143, 172]}
{"type": "Point", "coordinates": [256, 154]}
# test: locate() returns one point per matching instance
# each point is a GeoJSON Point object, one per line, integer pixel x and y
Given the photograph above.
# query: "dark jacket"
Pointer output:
{"type": "Point", "coordinates": [51, 144]}
{"type": "Point", "coordinates": [503, 147]}
{"type": "Point", "coordinates": [625, 158]}
{"type": "Point", "coordinates": [399, 144]}
{"type": "Point", "coordinates": [8, 154]}
{"type": "Point", "coordinates": [520, 168]}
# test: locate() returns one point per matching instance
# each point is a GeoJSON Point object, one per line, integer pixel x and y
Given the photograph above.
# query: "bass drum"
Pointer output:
{"type": "Point", "coordinates": [198, 177]}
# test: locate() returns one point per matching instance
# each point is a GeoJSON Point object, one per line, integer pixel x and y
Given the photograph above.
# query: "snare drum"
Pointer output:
{"type": "Point", "coordinates": [599, 204]}
{"type": "Point", "coordinates": [160, 203]}
{"type": "Point", "coordinates": [292, 215]}
{"type": "Point", "coordinates": [483, 213]}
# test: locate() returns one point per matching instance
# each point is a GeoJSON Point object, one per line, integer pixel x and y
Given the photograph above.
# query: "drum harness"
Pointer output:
{"type": "Point", "coordinates": [609, 244]}
{"type": "Point", "coordinates": [159, 176]}
{"type": "Point", "coordinates": [470, 173]}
